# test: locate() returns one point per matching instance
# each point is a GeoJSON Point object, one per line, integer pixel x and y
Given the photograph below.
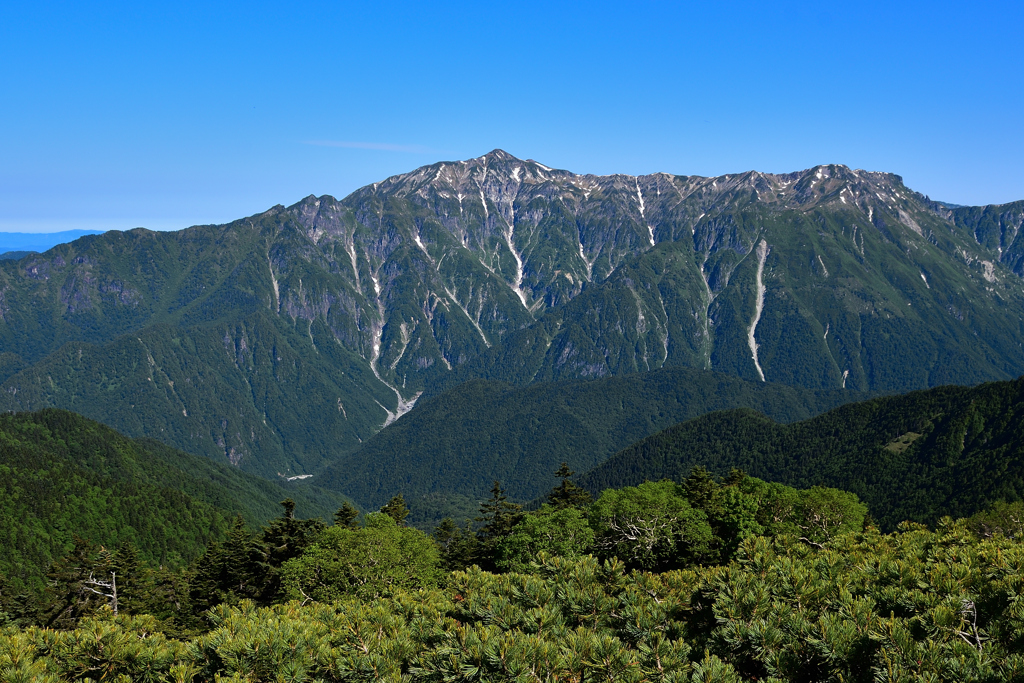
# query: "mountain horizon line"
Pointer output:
{"type": "Point", "coordinates": [499, 154]}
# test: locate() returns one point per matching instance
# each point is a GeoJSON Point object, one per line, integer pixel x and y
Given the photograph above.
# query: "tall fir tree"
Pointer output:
{"type": "Point", "coordinates": [396, 509]}
{"type": "Point", "coordinates": [459, 546]}
{"type": "Point", "coordinates": [346, 516]}
{"type": "Point", "coordinates": [498, 517]}
{"type": "Point", "coordinates": [283, 539]}
{"type": "Point", "coordinates": [568, 494]}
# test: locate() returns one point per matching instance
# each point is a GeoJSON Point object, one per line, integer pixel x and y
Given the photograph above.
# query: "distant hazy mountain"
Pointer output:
{"type": "Point", "coordinates": [38, 241]}
{"type": "Point", "coordinates": [283, 340]}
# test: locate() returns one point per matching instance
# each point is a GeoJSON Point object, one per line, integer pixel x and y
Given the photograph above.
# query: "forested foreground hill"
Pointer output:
{"type": "Point", "coordinates": [453, 446]}
{"type": "Point", "coordinates": [919, 456]}
{"type": "Point", "coordinates": [62, 475]}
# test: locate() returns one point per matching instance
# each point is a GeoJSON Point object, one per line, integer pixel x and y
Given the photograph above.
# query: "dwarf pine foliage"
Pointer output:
{"type": "Point", "coordinates": [914, 605]}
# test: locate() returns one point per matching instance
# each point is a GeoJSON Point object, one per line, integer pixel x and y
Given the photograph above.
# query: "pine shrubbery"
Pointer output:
{"type": "Point", "coordinates": [915, 605]}
{"type": "Point", "coordinates": [732, 580]}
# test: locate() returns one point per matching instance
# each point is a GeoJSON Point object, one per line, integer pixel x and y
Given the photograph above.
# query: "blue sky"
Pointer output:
{"type": "Point", "coordinates": [118, 115]}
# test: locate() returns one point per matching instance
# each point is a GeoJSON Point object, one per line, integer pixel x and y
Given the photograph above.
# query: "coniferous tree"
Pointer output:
{"type": "Point", "coordinates": [67, 599]}
{"type": "Point", "coordinates": [346, 516]}
{"type": "Point", "coordinates": [499, 517]}
{"type": "Point", "coordinates": [731, 513]}
{"type": "Point", "coordinates": [129, 570]}
{"type": "Point", "coordinates": [283, 539]}
{"type": "Point", "coordinates": [459, 546]}
{"type": "Point", "coordinates": [396, 509]}
{"type": "Point", "coordinates": [701, 490]}
{"type": "Point", "coordinates": [17, 608]}
{"type": "Point", "coordinates": [164, 594]}
{"type": "Point", "coordinates": [228, 571]}
{"type": "Point", "coordinates": [735, 477]}
{"type": "Point", "coordinates": [568, 494]}
{"type": "Point", "coordinates": [6, 618]}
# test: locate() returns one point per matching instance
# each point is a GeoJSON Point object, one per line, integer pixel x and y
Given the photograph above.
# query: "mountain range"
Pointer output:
{"type": "Point", "coordinates": [282, 342]}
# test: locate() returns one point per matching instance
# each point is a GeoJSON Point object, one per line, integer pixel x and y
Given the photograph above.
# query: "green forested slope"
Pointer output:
{"type": "Point", "coordinates": [456, 444]}
{"type": "Point", "coordinates": [176, 336]}
{"type": "Point", "coordinates": [943, 451]}
{"type": "Point", "coordinates": [62, 475]}
{"type": "Point", "coordinates": [285, 340]}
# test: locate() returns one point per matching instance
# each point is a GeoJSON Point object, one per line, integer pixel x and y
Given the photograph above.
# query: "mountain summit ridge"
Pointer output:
{"type": "Point", "coordinates": [238, 337]}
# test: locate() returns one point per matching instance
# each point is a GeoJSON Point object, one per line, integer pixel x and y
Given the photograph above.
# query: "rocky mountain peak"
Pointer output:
{"type": "Point", "coordinates": [498, 155]}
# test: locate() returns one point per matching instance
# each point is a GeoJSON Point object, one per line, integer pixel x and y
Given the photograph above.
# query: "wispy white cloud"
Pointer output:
{"type": "Point", "coordinates": [381, 146]}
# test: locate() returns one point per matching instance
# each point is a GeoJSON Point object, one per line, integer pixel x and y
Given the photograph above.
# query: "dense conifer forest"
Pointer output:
{"type": "Point", "coordinates": [63, 476]}
{"type": "Point", "coordinates": [920, 456]}
{"type": "Point", "coordinates": [495, 430]}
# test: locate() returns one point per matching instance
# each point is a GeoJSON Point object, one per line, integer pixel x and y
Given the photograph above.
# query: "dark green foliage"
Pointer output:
{"type": "Point", "coordinates": [346, 516]}
{"type": "Point", "coordinates": [90, 580]}
{"type": "Point", "coordinates": [63, 475]}
{"type": "Point", "coordinates": [68, 597]}
{"type": "Point", "coordinates": [458, 546]}
{"type": "Point", "coordinates": [229, 571]}
{"type": "Point", "coordinates": [731, 508]}
{"type": "Point", "coordinates": [427, 510]}
{"type": "Point", "coordinates": [567, 494]}
{"type": "Point", "coordinates": [497, 518]}
{"type": "Point", "coordinates": [396, 509]}
{"type": "Point", "coordinates": [284, 539]}
{"type": "Point", "coordinates": [249, 567]}
{"type": "Point", "coordinates": [451, 447]}
{"type": "Point", "coordinates": [944, 451]}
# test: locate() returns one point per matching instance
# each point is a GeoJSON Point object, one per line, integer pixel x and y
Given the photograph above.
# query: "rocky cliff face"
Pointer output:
{"type": "Point", "coordinates": [676, 270]}
{"type": "Point", "coordinates": [280, 339]}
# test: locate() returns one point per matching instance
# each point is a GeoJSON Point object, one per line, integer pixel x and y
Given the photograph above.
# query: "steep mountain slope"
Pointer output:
{"type": "Point", "coordinates": [944, 451]}
{"type": "Point", "coordinates": [998, 228]}
{"type": "Point", "coordinates": [63, 475]}
{"type": "Point", "coordinates": [453, 446]}
{"type": "Point", "coordinates": [283, 340]}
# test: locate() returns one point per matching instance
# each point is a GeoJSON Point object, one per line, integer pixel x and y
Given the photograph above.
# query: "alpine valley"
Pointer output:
{"type": "Point", "coordinates": [285, 342]}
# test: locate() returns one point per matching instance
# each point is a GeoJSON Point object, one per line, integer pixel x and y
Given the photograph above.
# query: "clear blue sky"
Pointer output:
{"type": "Point", "coordinates": [116, 115]}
